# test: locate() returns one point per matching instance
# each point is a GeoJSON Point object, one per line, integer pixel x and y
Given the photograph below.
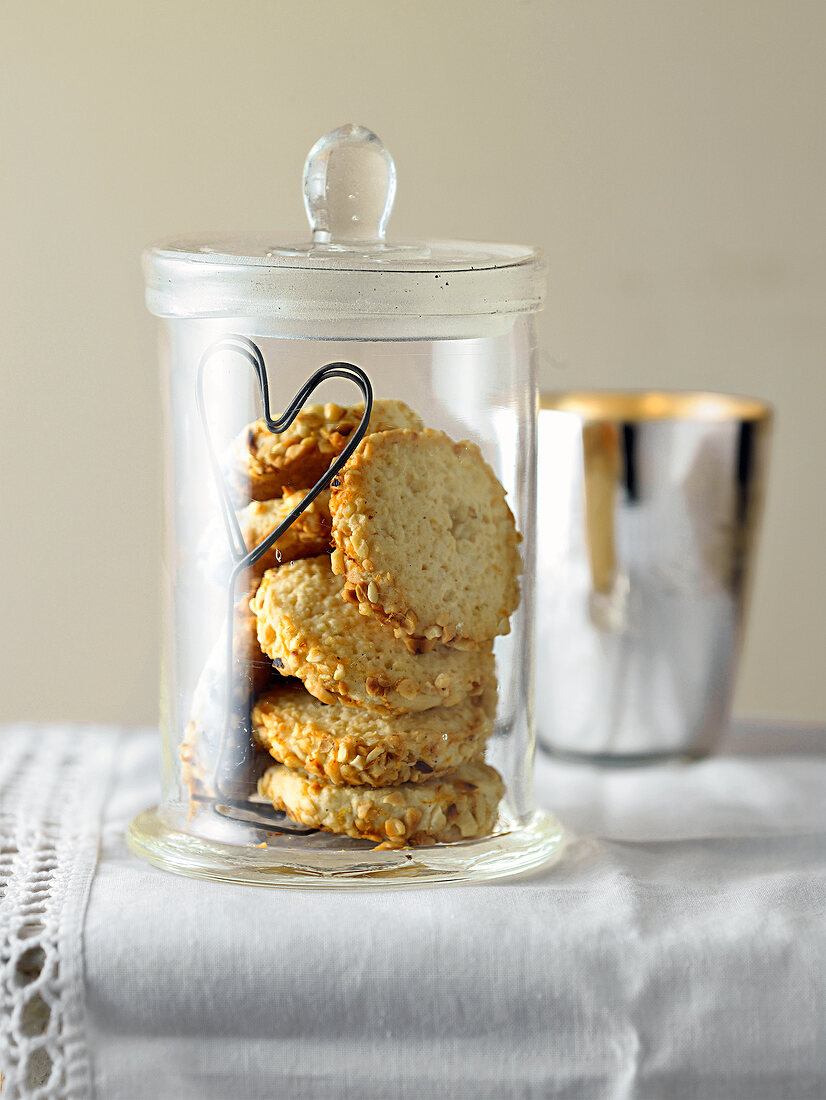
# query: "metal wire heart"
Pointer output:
{"type": "Point", "coordinates": [232, 771]}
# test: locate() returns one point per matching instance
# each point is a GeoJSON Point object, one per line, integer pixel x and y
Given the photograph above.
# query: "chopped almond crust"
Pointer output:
{"type": "Point", "coordinates": [348, 745]}
{"type": "Point", "coordinates": [461, 806]}
{"type": "Point", "coordinates": [263, 463]}
{"type": "Point", "coordinates": [344, 656]}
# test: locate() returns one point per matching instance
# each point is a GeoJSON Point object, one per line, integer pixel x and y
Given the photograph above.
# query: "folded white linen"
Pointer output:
{"type": "Point", "coordinates": [676, 950]}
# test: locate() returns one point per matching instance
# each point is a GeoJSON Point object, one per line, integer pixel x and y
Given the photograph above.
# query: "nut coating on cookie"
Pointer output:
{"type": "Point", "coordinates": [358, 747]}
{"type": "Point", "coordinates": [306, 537]}
{"type": "Point", "coordinates": [343, 656]}
{"type": "Point", "coordinates": [263, 463]}
{"type": "Point", "coordinates": [461, 806]}
{"type": "Point", "coordinates": [425, 540]}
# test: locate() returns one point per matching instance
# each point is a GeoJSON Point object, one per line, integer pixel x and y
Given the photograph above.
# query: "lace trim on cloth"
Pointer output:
{"type": "Point", "coordinates": [52, 785]}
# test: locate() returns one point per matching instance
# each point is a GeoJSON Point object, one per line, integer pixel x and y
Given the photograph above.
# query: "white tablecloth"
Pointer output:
{"type": "Point", "coordinates": [678, 949]}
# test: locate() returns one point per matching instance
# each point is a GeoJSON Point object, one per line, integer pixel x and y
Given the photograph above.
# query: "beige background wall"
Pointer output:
{"type": "Point", "coordinates": [669, 156]}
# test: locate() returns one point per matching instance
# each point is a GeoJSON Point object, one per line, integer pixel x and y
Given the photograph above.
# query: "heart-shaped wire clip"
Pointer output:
{"type": "Point", "coordinates": [233, 767]}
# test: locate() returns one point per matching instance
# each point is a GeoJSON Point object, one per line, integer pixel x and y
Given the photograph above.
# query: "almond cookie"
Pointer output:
{"type": "Point", "coordinates": [342, 656]}
{"type": "Point", "coordinates": [424, 538]}
{"type": "Point", "coordinates": [306, 537]}
{"type": "Point", "coordinates": [461, 806]}
{"type": "Point", "coordinates": [264, 462]}
{"type": "Point", "coordinates": [346, 745]}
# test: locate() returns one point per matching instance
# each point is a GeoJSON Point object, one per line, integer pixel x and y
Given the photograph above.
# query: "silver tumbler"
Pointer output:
{"type": "Point", "coordinates": [649, 507]}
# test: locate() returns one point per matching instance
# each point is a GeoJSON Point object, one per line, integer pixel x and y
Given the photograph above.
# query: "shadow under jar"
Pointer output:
{"type": "Point", "coordinates": [349, 548]}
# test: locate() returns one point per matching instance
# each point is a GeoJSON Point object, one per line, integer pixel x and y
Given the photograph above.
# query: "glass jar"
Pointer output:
{"type": "Point", "coordinates": [348, 561]}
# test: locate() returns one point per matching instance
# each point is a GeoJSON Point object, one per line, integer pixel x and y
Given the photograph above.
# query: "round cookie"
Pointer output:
{"type": "Point", "coordinates": [306, 537]}
{"type": "Point", "coordinates": [342, 656]}
{"type": "Point", "coordinates": [264, 462]}
{"type": "Point", "coordinates": [424, 538]}
{"type": "Point", "coordinates": [346, 745]}
{"type": "Point", "coordinates": [461, 806]}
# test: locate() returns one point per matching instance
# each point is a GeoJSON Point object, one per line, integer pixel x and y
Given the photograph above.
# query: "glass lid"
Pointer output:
{"type": "Point", "coordinates": [348, 268]}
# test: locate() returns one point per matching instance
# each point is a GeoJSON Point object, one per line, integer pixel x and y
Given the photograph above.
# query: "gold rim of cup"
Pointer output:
{"type": "Point", "coordinates": [641, 405]}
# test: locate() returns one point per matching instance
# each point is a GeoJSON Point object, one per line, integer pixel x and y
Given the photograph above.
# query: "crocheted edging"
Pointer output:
{"type": "Point", "coordinates": [52, 785]}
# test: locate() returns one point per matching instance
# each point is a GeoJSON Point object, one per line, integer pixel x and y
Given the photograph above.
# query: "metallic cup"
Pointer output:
{"type": "Point", "coordinates": [649, 508]}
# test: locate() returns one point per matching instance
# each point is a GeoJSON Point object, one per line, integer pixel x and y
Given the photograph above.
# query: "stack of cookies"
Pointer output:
{"type": "Point", "coordinates": [378, 614]}
{"type": "Point", "coordinates": [262, 468]}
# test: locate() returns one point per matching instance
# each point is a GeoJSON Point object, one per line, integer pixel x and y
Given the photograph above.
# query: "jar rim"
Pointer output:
{"type": "Point", "coordinates": [252, 274]}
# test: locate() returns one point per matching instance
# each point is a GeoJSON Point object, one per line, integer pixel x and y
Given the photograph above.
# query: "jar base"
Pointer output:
{"type": "Point", "coordinates": [512, 851]}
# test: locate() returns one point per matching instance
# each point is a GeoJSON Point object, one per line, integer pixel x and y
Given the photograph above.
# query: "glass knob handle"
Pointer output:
{"type": "Point", "coordinates": [349, 187]}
